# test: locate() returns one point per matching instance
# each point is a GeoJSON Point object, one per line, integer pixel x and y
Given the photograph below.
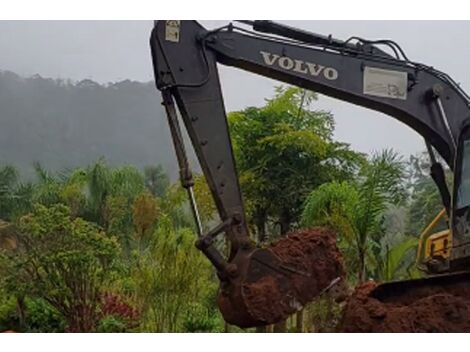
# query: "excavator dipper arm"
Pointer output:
{"type": "Point", "coordinates": [185, 57]}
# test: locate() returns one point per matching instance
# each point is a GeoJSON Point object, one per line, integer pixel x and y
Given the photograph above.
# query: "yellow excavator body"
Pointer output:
{"type": "Point", "coordinates": [439, 245]}
{"type": "Point", "coordinates": [434, 248]}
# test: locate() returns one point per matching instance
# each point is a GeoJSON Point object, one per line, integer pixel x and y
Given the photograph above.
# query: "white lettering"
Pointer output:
{"type": "Point", "coordinates": [330, 73]}
{"type": "Point", "coordinates": [286, 63]}
{"type": "Point", "coordinates": [314, 69]}
{"type": "Point", "coordinates": [299, 66]}
{"type": "Point", "coordinates": [267, 60]}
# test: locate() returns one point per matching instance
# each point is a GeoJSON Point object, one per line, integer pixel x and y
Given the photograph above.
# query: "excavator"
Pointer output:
{"type": "Point", "coordinates": [375, 74]}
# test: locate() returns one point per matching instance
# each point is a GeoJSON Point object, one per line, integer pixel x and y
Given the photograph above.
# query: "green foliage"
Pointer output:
{"type": "Point", "coordinates": [47, 188]}
{"type": "Point", "coordinates": [9, 319]}
{"type": "Point", "coordinates": [156, 180]}
{"type": "Point", "coordinates": [8, 182]}
{"type": "Point", "coordinates": [103, 182]}
{"type": "Point", "coordinates": [355, 210]}
{"type": "Point", "coordinates": [323, 315]}
{"type": "Point", "coordinates": [425, 200]}
{"type": "Point", "coordinates": [170, 276]}
{"type": "Point", "coordinates": [199, 318]}
{"type": "Point", "coordinates": [42, 317]}
{"type": "Point", "coordinates": [65, 123]}
{"type": "Point", "coordinates": [392, 265]}
{"type": "Point", "coordinates": [205, 202]}
{"type": "Point", "coordinates": [71, 238]}
{"type": "Point", "coordinates": [117, 218]}
{"type": "Point", "coordinates": [62, 260]}
{"type": "Point", "coordinates": [111, 324]}
{"type": "Point", "coordinates": [173, 204]}
{"type": "Point", "coordinates": [283, 151]}
{"type": "Point", "coordinates": [145, 211]}
{"type": "Point", "coordinates": [15, 196]}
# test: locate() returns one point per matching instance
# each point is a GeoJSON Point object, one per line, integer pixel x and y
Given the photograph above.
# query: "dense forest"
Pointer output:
{"type": "Point", "coordinates": [107, 244]}
{"type": "Point", "coordinates": [64, 124]}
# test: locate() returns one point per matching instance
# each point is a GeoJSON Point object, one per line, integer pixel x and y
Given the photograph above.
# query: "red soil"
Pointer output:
{"type": "Point", "coordinates": [435, 308]}
{"type": "Point", "coordinates": [313, 261]}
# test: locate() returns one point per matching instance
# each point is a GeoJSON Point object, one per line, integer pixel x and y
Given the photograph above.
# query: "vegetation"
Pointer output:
{"type": "Point", "coordinates": [355, 209]}
{"type": "Point", "coordinates": [284, 150]}
{"type": "Point", "coordinates": [111, 248]}
{"type": "Point", "coordinates": [98, 251]}
{"type": "Point", "coordinates": [65, 124]}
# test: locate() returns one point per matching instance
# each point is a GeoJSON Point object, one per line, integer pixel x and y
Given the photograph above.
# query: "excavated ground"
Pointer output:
{"type": "Point", "coordinates": [429, 309]}
{"type": "Point", "coordinates": [312, 252]}
{"type": "Point", "coordinates": [273, 296]}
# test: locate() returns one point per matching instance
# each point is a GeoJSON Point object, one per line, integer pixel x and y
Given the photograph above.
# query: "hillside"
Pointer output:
{"type": "Point", "coordinates": [65, 124]}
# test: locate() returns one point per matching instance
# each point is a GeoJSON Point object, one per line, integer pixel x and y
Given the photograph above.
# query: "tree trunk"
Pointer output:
{"type": "Point", "coordinates": [285, 222]}
{"type": "Point", "coordinates": [21, 307]}
{"type": "Point", "coordinates": [299, 321]}
{"type": "Point", "coordinates": [260, 222]}
{"type": "Point", "coordinates": [362, 266]}
{"type": "Point", "coordinates": [281, 326]}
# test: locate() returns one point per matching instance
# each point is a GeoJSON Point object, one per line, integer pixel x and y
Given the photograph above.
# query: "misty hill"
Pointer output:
{"type": "Point", "coordinates": [66, 124]}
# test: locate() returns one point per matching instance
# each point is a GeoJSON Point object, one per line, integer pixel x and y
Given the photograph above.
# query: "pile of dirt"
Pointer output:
{"type": "Point", "coordinates": [433, 308]}
{"type": "Point", "coordinates": [309, 262]}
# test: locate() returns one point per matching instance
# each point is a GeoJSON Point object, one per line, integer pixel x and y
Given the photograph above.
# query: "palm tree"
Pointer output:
{"type": "Point", "coordinates": [355, 209]}
{"type": "Point", "coordinates": [8, 182]}
{"type": "Point", "coordinates": [47, 187]}
{"type": "Point", "coordinates": [15, 195]}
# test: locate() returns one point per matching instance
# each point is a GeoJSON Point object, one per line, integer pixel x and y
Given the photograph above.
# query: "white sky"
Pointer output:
{"type": "Point", "coordinates": [114, 50]}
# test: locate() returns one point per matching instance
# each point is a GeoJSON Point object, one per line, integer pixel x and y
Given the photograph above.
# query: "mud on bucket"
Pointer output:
{"type": "Point", "coordinates": [277, 281]}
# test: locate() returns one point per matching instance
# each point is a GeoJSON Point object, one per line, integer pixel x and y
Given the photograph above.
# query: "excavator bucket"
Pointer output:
{"type": "Point", "coordinates": [277, 281]}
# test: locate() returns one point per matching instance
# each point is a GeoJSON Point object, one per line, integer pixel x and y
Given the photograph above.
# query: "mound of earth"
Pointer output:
{"type": "Point", "coordinates": [434, 308]}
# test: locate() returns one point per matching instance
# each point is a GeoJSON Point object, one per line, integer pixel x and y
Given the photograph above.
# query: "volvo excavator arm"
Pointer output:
{"type": "Point", "coordinates": [185, 57]}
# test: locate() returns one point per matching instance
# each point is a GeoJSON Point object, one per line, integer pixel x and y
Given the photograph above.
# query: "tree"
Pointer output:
{"type": "Point", "coordinates": [425, 200]}
{"type": "Point", "coordinates": [62, 260]}
{"type": "Point", "coordinates": [8, 180]}
{"type": "Point", "coordinates": [156, 180]}
{"type": "Point", "coordinates": [171, 276]}
{"type": "Point", "coordinates": [145, 211]}
{"type": "Point", "coordinates": [205, 202]}
{"type": "Point", "coordinates": [110, 195]}
{"type": "Point", "coordinates": [47, 188]}
{"type": "Point", "coordinates": [72, 123]}
{"type": "Point", "coordinates": [283, 151]}
{"type": "Point", "coordinates": [15, 196]}
{"type": "Point", "coordinates": [355, 209]}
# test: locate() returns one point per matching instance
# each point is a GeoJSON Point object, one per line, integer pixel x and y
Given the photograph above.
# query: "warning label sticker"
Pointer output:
{"type": "Point", "coordinates": [172, 31]}
{"type": "Point", "coordinates": [385, 83]}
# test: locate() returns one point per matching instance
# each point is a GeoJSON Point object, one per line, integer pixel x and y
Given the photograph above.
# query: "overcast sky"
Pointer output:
{"type": "Point", "coordinates": [107, 51]}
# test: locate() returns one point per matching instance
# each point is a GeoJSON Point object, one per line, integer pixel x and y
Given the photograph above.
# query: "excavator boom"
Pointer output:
{"type": "Point", "coordinates": [373, 74]}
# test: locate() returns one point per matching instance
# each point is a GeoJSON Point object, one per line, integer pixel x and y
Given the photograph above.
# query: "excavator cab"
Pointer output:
{"type": "Point", "coordinates": [448, 249]}
{"type": "Point", "coordinates": [460, 212]}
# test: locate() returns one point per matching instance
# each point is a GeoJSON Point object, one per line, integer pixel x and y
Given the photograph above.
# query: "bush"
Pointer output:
{"type": "Point", "coordinates": [9, 319]}
{"type": "Point", "coordinates": [111, 324]}
{"type": "Point", "coordinates": [39, 316]}
{"type": "Point", "coordinates": [118, 315]}
{"type": "Point", "coordinates": [42, 317]}
{"type": "Point", "coordinates": [201, 319]}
